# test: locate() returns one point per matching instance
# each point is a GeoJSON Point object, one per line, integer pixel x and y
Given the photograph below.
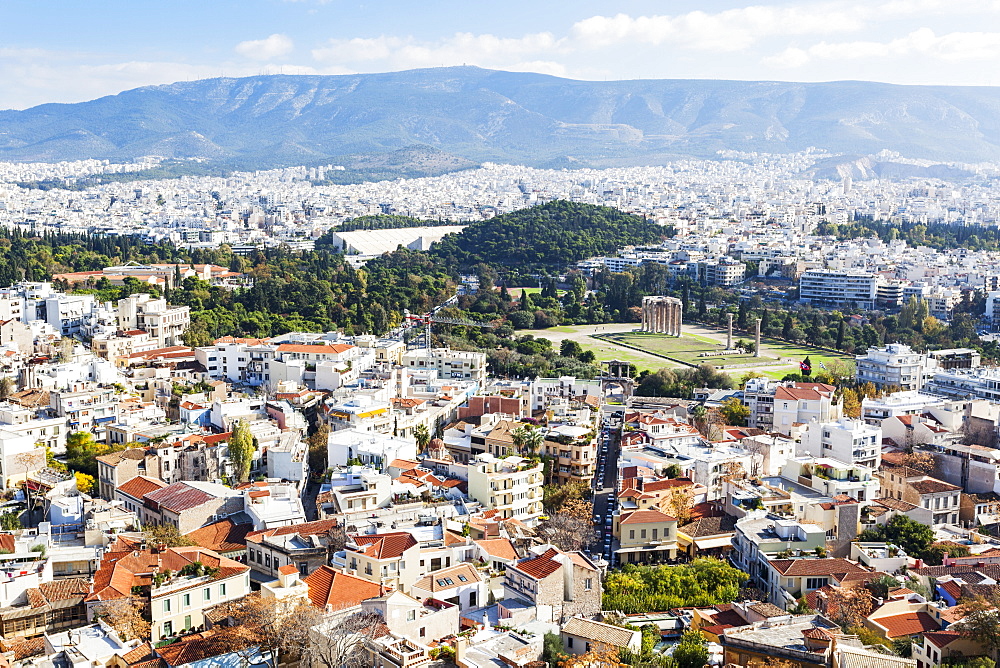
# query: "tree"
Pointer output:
{"type": "Point", "coordinates": [692, 650]}
{"type": "Point", "coordinates": [84, 483]}
{"type": "Point", "coordinates": [241, 450]}
{"type": "Point", "coordinates": [672, 471]}
{"type": "Point", "coordinates": [318, 448]}
{"type": "Point", "coordinates": [167, 535]}
{"type": "Point", "coordinates": [278, 627]}
{"type": "Point", "coordinates": [735, 412]}
{"type": "Point", "coordinates": [422, 436]}
{"type": "Point", "coordinates": [568, 532]}
{"type": "Point", "coordinates": [909, 534]}
{"type": "Point", "coordinates": [532, 442]}
{"type": "Point", "coordinates": [980, 624]}
{"type": "Point", "coordinates": [7, 387]}
{"type": "Point", "coordinates": [125, 616]}
{"type": "Point", "coordinates": [678, 503]}
{"type": "Point", "coordinates": [848, 607]}
{"type": "Point", "coordinates": [333, 644]}
{"type": "Point", "coordinates": [699, 416]}
{"type": "Point", "coordinates": [919, 460]}
{"type": "Point", "coordinates": [552, 649]}
{"type": "Point", "coordinates": [703, 582]}
{"type": "Point", "coordinates": [570, 348]}
{"type": "Point", "coordinates": [82, 452]}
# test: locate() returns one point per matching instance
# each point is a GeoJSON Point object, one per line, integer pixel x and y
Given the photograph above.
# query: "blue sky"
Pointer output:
{"type": "Point", "coordinates": [70, 50]}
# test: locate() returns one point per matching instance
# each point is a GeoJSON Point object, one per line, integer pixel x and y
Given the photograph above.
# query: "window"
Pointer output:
{"type": "Point", "coordinates": [207, 594]}
{"type": "Point", "coordinates": [631, 534]}
{"type": "Point", "coordinates": [815, 583]}
{"type": "Point", "coordinates": [187, 621]}
{"type": "Point", "coordinates": [168, 628]}
{"type": "Point", "coordinates": [642, 533]}
{"type": "Point", "coordinates": [569, 641]}
{"type": "Point", "coordinates": [187, 601]}
{"type": "Point", "coordinates": [588, 584]}
{"type": "Point", "coordinates": [423, 631]}
{"type": "Point", "coordinates": [166, 605]}
{"type": "Point", "coordinates": [411, 615]}
{"type": "Point", "coordinates": [222, 589]}
{"type": "Point", "coordinates": [462, 578]}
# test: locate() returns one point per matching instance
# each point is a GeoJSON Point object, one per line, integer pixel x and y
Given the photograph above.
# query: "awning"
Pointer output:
{"type": "Point", "coordinates": [102, 420]}
{"type": "Point", "coordinates": [709, 543]}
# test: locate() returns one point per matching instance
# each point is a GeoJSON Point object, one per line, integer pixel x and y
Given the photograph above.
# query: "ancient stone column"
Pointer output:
{"type": "Point", "coordinates": [756, 350]}
{"type": "Point", "coordinates": [729, 334]}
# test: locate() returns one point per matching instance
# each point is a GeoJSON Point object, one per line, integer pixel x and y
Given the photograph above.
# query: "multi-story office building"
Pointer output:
{"type": "Point", "coordinates": [448, 363]}
{"type": "Point", "coordinates": [826, 286]}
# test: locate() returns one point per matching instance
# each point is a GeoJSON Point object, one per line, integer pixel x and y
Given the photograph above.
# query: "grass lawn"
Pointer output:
{"type": "Point", "coordinates": [688, 347]}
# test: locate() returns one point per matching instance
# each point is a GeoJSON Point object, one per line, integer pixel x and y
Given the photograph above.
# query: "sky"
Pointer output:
{"type": "Point", "coordinates": [73, 50]}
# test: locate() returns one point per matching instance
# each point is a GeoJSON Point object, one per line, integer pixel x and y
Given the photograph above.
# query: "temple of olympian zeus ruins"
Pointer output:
{"type": "Point", "coordinates": [662, 315]}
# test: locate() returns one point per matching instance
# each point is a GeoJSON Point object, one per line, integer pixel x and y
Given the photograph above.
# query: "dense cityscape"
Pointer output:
{"type": "Point", "coordinates": [500, 335]}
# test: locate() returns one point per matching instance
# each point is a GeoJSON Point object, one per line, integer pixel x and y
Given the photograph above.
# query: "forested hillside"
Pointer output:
{"type": "Point", "coordinates": [550, 235]}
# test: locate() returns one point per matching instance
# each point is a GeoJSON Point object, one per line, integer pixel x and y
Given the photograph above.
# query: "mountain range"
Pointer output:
{"type": "Point", "coordinates": [457, 116]}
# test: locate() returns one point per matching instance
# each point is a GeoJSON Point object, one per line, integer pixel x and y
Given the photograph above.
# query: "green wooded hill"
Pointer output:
{"type": "Point", "coordinates": [550, 235]}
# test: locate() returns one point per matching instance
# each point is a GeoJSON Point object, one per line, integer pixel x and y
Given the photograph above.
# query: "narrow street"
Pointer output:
{"type": "Point", "coordinates": [605, 483]}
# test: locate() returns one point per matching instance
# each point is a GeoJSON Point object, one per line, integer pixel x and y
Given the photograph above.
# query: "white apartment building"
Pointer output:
{"type": "Point", "coordinates": [448, 363]}
{"type": "Point", "coordinates": [895, 365]}
{"type": "Point", "coordinates": [47, 432]}
{"type": "Point", "coordinates": [164, 323]}
{"type": "Point", "coordinates": [981, 383]}
{"type": "Point", "coordinates": [512, 485]}
{"type": "Point", "coordinates": [907, 402]}
{"type": "Point", "coordinates": [69, 314]}
{"type": "Point", "coordinates": [778, 406]}
{"type": "Point", "coordinates": [827, 286]}
{"type": "Point", "coordinates": [371, 448]}
{"type": "Point", "coordinates": [849, 441]}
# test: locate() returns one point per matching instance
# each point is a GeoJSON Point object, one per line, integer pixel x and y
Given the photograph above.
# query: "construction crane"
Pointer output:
{"type": "Point", "coordinates": [428, 319]}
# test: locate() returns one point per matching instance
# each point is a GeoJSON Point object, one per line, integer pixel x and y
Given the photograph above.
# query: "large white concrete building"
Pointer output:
{"type": "Point", "coordinates": [849, 441]}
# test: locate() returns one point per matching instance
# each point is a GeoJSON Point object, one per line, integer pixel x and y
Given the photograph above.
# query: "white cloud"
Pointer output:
{"type": "Point", "coordinates": [952, 47]}
{"type": "Point", "coordinates": [269, 48]}
{"type": "Point", "coordinates": [461, 48]}
{"type": "Point", "coordinates": [730, 30]}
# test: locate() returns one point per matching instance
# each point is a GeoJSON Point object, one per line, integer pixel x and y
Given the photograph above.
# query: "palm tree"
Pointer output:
{"type": "Point", "coordinates": [423, 437]}
{"type": "Point", "coordinates": [699, 414]}
{"type": "Point", "coordinates": [533, 441]}
{"type": "Point", "coordinates": [518, 437]}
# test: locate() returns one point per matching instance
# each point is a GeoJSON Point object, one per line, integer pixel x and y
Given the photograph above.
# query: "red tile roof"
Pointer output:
{"type": "Point", "coordinates": [385, 545]}
{"type": "Point", "coordinates": [501, 548]}
{"type": "Point", "coordinates": [942, 638]}
{"type": "Point", "coordinates": [329, 587]}
{"type": "Point", "coordinates": [222, 536]}
{"type": "Point", "coordinates": [907, 624]}
{"type": "Point", "coordinates": [179, 497]}
{"type": "Point", "coordinates": [140, 486]}
{"type": "Point", "coordinates": [798, 567]}
{"type": "Point", "coordinates": [317, 528]}
{"type": "Point", "coordinates": [646, 517]}
{"type": "Point", "coordinates": [541, 566]}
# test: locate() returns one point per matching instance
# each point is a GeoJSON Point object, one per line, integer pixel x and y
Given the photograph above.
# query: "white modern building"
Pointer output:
{"type": "Point", "coordinates": [826, 286]}
{"type": "Point", "coordinates": [849, 441]}
{"type": "Point", "coordinates": [512, 485]}
{"type": "Point", "coordinates": [895, 365]}
{"type": "Point", "coordinates": [370, 448]}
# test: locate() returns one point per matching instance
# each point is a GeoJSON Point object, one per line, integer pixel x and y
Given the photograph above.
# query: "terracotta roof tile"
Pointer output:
{"type": "Point", "coordinates": [329, 587]}
{"type": "Point", "coordinates": [222, 536]}
{"type": "Point", "coordinates": [385, 545]}
{"type": "Point", "coordinates": [501, 548]}
{"type": "Point", "coordinates": [140, 486]}
{"type": "Point", "coordinates": [541, 566]}
{"type": "Point", "coordinates": [799, 567]}
{"type": "Point", "coordinates": [907, 624]}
